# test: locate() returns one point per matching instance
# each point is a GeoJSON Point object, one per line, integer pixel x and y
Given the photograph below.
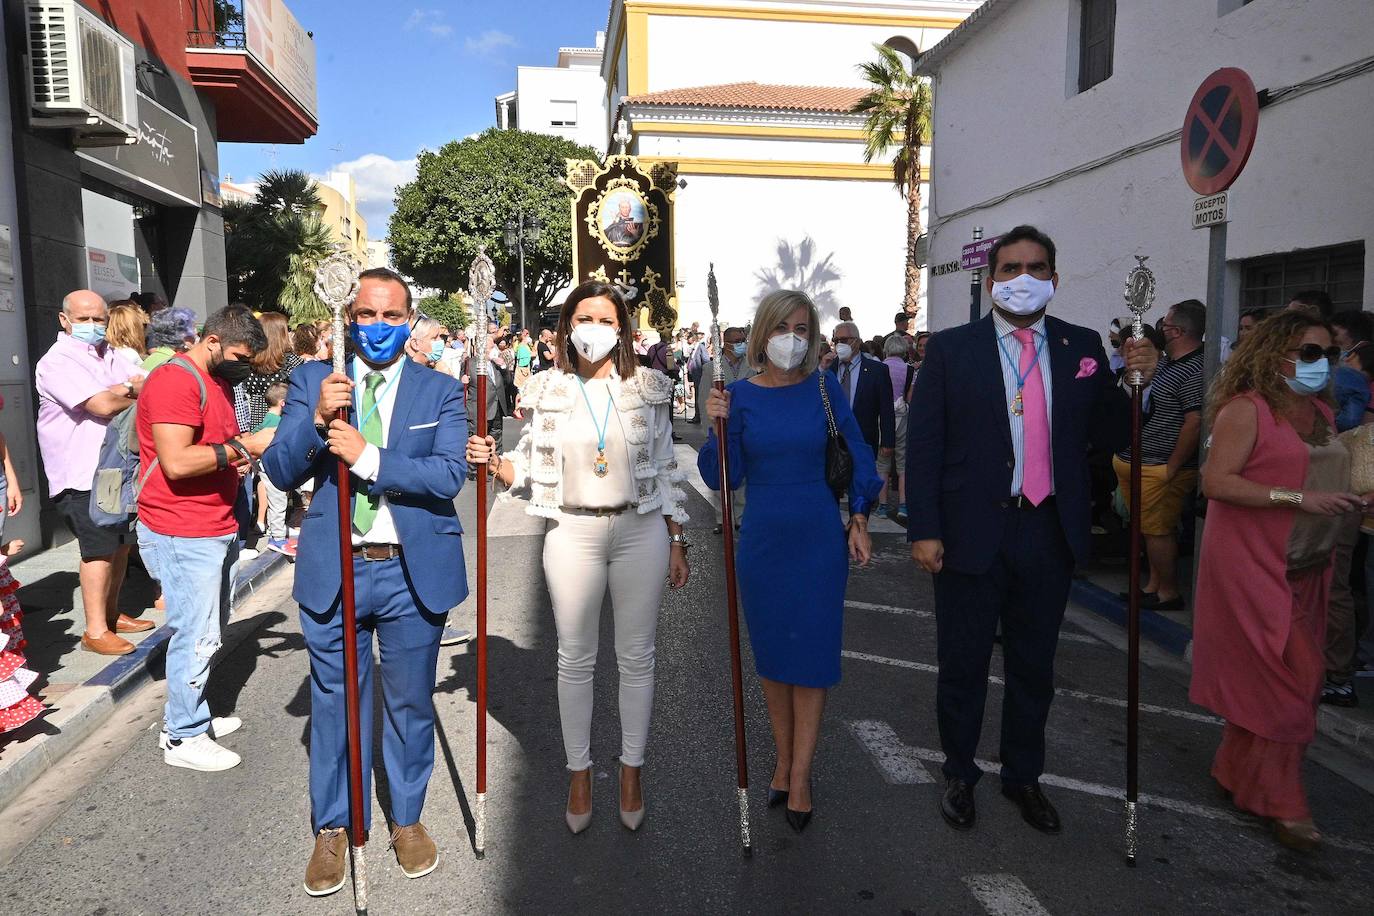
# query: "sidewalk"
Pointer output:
{"type": "Point", "coordinates": [80, 689]}
{"type": "Point", "coordinates": [1098, 586]}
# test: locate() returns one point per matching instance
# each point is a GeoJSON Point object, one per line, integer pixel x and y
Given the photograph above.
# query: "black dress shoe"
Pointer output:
{"type": "Point", "coordinates": [1036, 809]}
{"type": "Point", "coordinates": [776, 797]}
{"type": "Point", "coordinates": [956, 805]}
{"type": "Point", "coordinates": [798, 819]}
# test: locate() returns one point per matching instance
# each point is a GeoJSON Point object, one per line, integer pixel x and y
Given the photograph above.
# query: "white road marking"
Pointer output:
{"type": "Point", "coordinates": [1059, 691]}
{"type": "Point", "coordinates": [913, 612]}
{"type": "Point", "coordinates": [1116, 793]}
{"type": "Point", "coordinates": [895, 760]}
{"type": "Point", "coordinates": [1004, 895]}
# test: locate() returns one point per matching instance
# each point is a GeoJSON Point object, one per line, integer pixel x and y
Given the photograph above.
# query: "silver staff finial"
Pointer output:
{"type": "Point", "coordinates": [336, 284]}
{"type": "Point", "coordinates": [1140, 295]}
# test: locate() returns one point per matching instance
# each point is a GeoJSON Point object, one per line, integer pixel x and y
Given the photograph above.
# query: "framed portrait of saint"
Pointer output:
{"type": "Point", "coordinates": [623, 218]}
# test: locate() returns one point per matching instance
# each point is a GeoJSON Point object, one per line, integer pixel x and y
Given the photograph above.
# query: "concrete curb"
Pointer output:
{"type": "Point", "coordinates": [86, 707]}
{"type": "Point", "coordinates": [1176, 639]}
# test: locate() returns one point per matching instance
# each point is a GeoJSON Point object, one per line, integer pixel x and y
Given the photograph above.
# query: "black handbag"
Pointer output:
{"type": "Point", "coordinates": [839, 462]}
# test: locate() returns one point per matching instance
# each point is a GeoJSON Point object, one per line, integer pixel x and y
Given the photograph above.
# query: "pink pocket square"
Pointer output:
{"type": "Point", "coordinates": [1087, 367]}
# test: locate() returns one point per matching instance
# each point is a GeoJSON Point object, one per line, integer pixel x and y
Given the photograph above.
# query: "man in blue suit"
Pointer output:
{"type": "Point", "coordinates": [1004, 414]}
{"type": "Point", "coordinates": [869, 386]}
{"type": "Point", "coordinates": [404, 445]}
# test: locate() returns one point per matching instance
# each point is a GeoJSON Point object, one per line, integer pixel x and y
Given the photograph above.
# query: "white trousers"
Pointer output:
{"type": "Point", "coordinates": [584, 554]}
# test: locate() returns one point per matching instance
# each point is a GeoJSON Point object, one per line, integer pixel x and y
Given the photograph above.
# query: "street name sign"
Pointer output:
{"type": "Point", "coordinates": [974, 255]}
{"type": "Point", "coordinates": [1209, 211]}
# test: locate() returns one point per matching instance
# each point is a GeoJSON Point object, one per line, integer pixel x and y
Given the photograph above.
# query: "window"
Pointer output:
{"type": "Point", "coordinates": [562, 114]}
{"type": "Point", "coordinates": [1096, 32]}
{"type": "Point", "coordinates": [1271, 281]}
{"type": "Point", "coordinates": [906, 48]}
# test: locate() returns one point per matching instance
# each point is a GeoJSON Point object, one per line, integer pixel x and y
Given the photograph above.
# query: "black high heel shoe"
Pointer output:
{"type": "Point", "coordinates": [798, 820]}
{"type": "Point", "coordinates": [776, 797]}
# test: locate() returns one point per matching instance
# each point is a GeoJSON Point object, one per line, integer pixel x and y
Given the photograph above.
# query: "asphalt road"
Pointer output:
{"type": "Point", "coordinates": [114, 830]}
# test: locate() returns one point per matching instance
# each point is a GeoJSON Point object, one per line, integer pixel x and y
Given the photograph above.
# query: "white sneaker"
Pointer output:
{"type": "Point", "coordinates": [199, 753]}
{"type": "Point", "coordinates": [219, 727]}
{"type": "Point", "coordinates": [248, 553]}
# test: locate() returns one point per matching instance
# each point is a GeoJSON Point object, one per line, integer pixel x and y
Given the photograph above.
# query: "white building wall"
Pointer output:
{"type": "Point", "coordinates": [1308, 182]}
{"type": "Point", "coordinates": [764, 51]}
{"type": "Point", "coordinates": [538, 87]}
{"type": "Point", "coordinates": [739, 223]}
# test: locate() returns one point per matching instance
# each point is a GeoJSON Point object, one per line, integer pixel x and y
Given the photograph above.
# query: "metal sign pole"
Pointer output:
{"type": "Point", "coordinates": [975, 290]}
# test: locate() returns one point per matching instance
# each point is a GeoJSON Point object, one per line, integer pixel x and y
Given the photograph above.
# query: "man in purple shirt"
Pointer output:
{"type": "Point", "coordinates": [83, 384]}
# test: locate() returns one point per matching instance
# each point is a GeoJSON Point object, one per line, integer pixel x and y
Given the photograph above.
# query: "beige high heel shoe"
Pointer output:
{"type": "Point", "coordinates": [631, 819]}
{"type": "Point", "coordinates": [580, 822]}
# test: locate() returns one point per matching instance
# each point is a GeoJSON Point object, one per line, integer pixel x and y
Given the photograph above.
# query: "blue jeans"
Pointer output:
{"type": "Point", "coordinates": [409, 639]}
{"type": "Point", "coordinates": [197, 576]}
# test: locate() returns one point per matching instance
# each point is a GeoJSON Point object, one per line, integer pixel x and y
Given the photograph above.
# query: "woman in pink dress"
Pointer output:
{"type": "Point", "coordinates": [1276, 479]}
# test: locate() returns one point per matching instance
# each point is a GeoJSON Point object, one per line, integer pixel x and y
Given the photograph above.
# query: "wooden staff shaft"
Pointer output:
{"type": "Point", "coordinates": [480, 394]}
{"type": "Point", "coordinates": [352, 708]}
{"type": "Point", "coordinates": [1133, 631]}
{"type": "Point", "coordinates": [727, 512]}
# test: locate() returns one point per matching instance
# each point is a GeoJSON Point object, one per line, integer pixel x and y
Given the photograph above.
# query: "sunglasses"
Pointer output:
{"type": "Point", "coordinates": [1311, 353]}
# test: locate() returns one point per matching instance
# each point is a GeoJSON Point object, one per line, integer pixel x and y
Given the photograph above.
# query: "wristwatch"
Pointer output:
{"type": "Point", "coordinates": [679, 540]}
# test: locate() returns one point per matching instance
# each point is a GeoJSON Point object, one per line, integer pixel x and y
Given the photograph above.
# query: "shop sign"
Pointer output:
{"type": "Point", "coordinates": [284, 49]}
{"type": "Point", "coordinates": [164, 165]}
{"type": "Point", "coordinates": [111, 274]}
{"type": "Point", "coordinates": [948, 267]}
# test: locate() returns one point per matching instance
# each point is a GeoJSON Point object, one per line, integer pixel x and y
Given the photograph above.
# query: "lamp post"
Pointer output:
{"type": "Point", "coordinates": [520, 231]}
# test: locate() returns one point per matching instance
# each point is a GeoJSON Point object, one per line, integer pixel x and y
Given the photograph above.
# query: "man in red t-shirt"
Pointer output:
{"type": "Point", "coordinates": [191, 461]}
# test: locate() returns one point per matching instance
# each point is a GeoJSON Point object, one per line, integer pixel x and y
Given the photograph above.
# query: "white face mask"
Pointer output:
{"type": "Point", "coordinates": [844, 351]}
{"type": "Point", "coordinates": [594, 341]}
{"type": "Point", "coordinates": [786, 351]}
{"type": "Point", "coordinates": [1024, 295]}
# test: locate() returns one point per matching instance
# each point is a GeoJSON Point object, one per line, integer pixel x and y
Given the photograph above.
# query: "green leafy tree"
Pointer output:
{"type": "Point", "coordinates": [273, 244]}
{"type": "Point", "coordinates": [898, 117]}
{"type": "Point", "coordinates": [228, 17]}
{"type": "Point", "coordinates": [450, 310]}
{"type": "Point", "coordinates": [460, 200]}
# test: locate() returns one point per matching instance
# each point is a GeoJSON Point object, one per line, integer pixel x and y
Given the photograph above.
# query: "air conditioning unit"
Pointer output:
{"type": "Point", "coordinates": [81, 73]}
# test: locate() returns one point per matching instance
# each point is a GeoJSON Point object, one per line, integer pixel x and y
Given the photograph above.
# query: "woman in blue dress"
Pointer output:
{"type": "Point", "coordinates": [794, 548]}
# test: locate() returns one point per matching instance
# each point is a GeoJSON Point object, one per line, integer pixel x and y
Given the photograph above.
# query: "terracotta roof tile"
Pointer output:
{"type": "Point", "coordinates": [756, 95]}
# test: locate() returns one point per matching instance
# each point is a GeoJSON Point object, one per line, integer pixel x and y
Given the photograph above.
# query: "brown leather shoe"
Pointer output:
{"type": "Point", "coordinates": [126, 624]}
{"type": "Point", "coordinates": [328, 867]}
{"type": "Point", "coordinates": [415, 851]}
{"type": "Point", "coordinates": [106, 643]}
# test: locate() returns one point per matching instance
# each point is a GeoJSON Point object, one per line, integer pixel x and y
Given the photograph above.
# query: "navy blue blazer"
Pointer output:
{"type": "Point", "coordinates": [873, 402]}
{"type": "Point", "coordinates": [422, 469]}
{"type": "Point", "coordinates": [959, 452]}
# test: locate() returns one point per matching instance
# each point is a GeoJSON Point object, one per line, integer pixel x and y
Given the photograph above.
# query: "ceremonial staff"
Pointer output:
{"type": "Point", "coordinates": [1140, 295]}
{"type": "Point", "coordinates": [336, 283]}
{"type": "Point", "coordinates": [481, 282]}
{"type": "Point", "coordinates": [727, 512]}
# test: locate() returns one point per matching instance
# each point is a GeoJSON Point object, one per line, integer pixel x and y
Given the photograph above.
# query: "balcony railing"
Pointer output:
{"type": "Point", "coordinates": [236, 41]}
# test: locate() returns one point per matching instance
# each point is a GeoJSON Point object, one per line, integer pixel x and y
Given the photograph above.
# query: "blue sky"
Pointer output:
{"type": "Point", "coordinates": [398, 77]}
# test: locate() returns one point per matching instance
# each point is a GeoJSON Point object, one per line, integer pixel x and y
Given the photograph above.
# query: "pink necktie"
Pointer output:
{"type": "Point", "coordinates": [1035, 449]}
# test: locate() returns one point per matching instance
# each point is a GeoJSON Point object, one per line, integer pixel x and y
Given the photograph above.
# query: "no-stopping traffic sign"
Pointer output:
{"type": "Point", "coordinates": [1219, 130]}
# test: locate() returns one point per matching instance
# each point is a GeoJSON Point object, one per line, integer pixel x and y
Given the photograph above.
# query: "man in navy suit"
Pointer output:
{"type": "Point", "coordinates": [404, 444]}
{"type": "Point", "coordinates": [869, 386]}
{"type": "Point", "coordinates": [1004, 414]}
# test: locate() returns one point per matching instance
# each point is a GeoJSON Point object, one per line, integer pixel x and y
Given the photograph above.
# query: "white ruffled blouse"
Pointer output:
{"type": "Point", "coordinates": [644, 404]}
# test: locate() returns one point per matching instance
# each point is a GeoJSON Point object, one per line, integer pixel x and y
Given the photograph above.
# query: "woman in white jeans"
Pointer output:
{"type": "Point", "coordinates": [597, 461]}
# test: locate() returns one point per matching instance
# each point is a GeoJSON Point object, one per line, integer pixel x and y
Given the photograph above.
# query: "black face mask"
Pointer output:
{"type": "Point", "coordinates": [232, 371]}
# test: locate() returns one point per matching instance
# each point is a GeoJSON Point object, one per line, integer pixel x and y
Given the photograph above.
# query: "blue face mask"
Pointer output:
{"type": "Point", "coordinates": [379, 342]}
{"type": "Point", "coordinates": [1309, 378]}
{"type": "Point", "coordinates": [88, 333]}
{"type": "Point", "coordinates": [737, 349]}
{"type": "Point", "coordinates": [436, 350]}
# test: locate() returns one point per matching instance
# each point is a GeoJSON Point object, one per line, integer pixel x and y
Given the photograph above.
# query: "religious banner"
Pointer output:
{"type": "Point", "coordinates": [622, 224]}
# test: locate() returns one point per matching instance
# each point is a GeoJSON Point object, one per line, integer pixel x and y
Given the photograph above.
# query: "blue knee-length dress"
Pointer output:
{"type": "Point", "coordinates": [793, 554]}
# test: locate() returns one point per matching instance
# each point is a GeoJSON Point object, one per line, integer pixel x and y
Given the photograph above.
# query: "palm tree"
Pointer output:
{"type": "Point", "coordinates": [273, 244]}
{"type": "Point", "coordinates": [898, 114]}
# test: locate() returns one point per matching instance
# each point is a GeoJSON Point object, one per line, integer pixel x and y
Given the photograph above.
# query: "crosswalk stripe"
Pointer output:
{"type": "Point", "coordinates": [1116, 793]}
{"type": "Point", "coordinates": [895, 760]}
{"type": "Point", "coordinates": [1059, 691]}
{"type": "Point", "coordinates": [1004, 895]}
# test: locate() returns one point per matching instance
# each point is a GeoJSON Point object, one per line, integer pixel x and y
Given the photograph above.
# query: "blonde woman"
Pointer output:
{"type": "Point", "coordinates": [792, 550]}
{"type": "Point", "coordinates": [598, 462]}
{"type": "Point", "coordinates": [127, 331]}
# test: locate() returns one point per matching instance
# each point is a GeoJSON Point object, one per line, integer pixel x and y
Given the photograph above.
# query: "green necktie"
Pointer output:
{"type": "Point", "coordinates": [365, 508]}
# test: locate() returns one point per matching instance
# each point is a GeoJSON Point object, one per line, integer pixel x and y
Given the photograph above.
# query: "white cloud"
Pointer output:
{"type": "Point", "coordinates": [431, 21]}
{"type": "Point", "coordinates": [377, 177]}
{"type": "Point", "coordinates": [489, 44]}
